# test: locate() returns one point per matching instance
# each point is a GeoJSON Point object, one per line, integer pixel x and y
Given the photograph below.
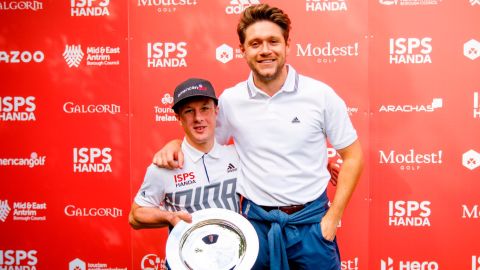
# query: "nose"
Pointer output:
{"type": "Point", "coordinates": [197, 116]}
{"type": "Point", "coordinates": [265, 49]}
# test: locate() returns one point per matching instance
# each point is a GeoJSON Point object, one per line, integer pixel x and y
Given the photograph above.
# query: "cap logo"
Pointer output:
{"type": "Point", "coordinates": [193, 87]}
{"type": "Point", "coordinates": [202, 88]}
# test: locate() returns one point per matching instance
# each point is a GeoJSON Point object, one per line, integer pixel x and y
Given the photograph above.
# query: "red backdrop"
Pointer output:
{"type": "Point", "coordinates": [84, 104]}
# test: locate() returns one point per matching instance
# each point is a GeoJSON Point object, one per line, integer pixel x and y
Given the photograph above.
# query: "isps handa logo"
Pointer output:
{"type": "Point", "coordinates": [409, 213]}
{"type": "Point", "coordinates": [12, 259]}
{"type": "Point", "coordinates": [15, 108]}
{"type": "Point", "coordinates": [166, 54]}
{"type": "Point", "coordinates": [411, 50]}
{"type": "Point", "coordinates": [89, 8]}
{"type": "Point", "coordinates": [92, 160]}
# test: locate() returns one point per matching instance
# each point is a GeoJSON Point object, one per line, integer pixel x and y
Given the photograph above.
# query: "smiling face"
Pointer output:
{"type": "Point", "coordinates": [265, 50]}
{"type": "Point", "coordinates": [197, 117]}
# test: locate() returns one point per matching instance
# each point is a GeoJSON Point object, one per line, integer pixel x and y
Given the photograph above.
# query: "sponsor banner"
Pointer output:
{"type": "Point", "coordinates": [474, 2]}
{"type": "Point", "coordinates": [410, 160]}
{"type": "Point", "coordinates": [409, 213]}
{"type": "Point", "coordinates": [410, 50]}
{"type": "Point", "coordinates": [74, 211]}
{"type": "Point", "coordinates": [78, 264]}
{"type": "Point", "coordinates": [327, 52]}
{"type": "Point", "coordinates": [23, 211]}
{"type": "Point", "coordinates": [167, 6]}
{"type": "Point", "coordinates": [11, 259]}
{"type": "Point", "coordinates": [70, 107]}
{"type": "Point", "coordinates": [164, 112]}
{"type": "Point", "coordinates": [32, 161]}
{"type": "Point", "coordinates": [89, 8]}
{"type": "Point", "coordinates": [475, 262]}
{"type": "Point", "coordinates": [14, 5]}
{"type": "Point", "coordinates": [437, 103]}
{"type": "Point", "coordinates": [21, 57]}
{"type": "Point", "coordinates": [92, 160]}
{"type": "Point", "coordinates": [391, 264]}
{"type": "Point", "coordinates": [95, 55]}
{"type": "Point", "coordinates": [410, 2]}
{"type": "Point", "coordinates": [325, 5]}
{"type": "Point", "coordinates": [153, 261]}
{"type": "Point", "coordinates": [166, 54]}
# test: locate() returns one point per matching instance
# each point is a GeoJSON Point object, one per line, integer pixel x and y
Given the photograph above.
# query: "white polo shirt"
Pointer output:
{"type": "Point", "coordinates": [206, 181]}
{"type": "Point", "coordinates": [282, 140]}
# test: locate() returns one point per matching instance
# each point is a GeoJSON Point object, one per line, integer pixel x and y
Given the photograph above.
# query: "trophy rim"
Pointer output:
{"type": "Point", "coordinates": [213, 216]}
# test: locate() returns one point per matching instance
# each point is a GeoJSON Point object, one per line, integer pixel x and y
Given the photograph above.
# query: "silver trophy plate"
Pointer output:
{"type": "Point", "coordinates": [217, 239]}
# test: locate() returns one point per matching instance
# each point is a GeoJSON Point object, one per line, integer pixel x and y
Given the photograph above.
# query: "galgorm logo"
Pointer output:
{"type": "Point", "coordinates": [184, 179]}
{"type": "Point", "coordinates": [17, 108]}
{"type": "Point", "coordinates": [409, 213]}
{"type": "Point", "coordinates": [166, 54]}
{"type": "Point", "coordinates": [92, 160]}
{"type": "Point", "coordinates": [470, 212]}
{"type": "Point", "coordinates": [11, 259]}
{"type": "Point", "coordinates": [390, 264]}
{"type": "Point", "coordinates": [238, 6]}
{"type": "Point", "coordinates": [73, 211]}
{"type": "Point", "coordinates": [328, 52]}
{"type": "Point", "coordinates": [21, 5]}
{"type": "Point", "coordinates": [70, 107]}
{"type": "Point", "coordinates": [18, 57]}
{"type": "Point", "coordinates": [411, 50]}
{"type": "Point", "coordinates": [89, 8]}
{"type": "Point", "coordinates": [437, 103]}
{"type": "Point", "coordinates": [411, 160]}
{"type": "Point", "coordinates": [325, 5]}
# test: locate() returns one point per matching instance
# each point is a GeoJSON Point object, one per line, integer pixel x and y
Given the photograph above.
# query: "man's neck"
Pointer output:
{"type": "Point", "coordinates": [273, 86]}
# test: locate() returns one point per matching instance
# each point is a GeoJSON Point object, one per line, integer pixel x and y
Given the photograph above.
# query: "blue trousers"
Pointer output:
{"type": "Point", "coordinates": [312, 252]}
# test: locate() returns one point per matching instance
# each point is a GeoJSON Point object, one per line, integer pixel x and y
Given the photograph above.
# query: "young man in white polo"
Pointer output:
{"type": "Point", "coordinates": [208, 178]}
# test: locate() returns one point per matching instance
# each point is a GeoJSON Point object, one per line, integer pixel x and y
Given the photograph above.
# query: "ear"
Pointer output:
{"type": "Point", "coordinates": [242, 49]}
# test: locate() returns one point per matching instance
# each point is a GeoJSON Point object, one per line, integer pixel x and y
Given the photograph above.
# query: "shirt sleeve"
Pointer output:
{"type": "Point", "coordinates": [339, 129]}
{"type": "Point", "coordinates": [152, 191]}
{"type": "Point", "coordinates": [223, 129]}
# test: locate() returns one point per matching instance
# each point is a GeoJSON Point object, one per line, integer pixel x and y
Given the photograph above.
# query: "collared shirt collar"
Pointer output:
{"type": "Point", "coordinates": [196, 155]}
{"type": "Point", "coordinates": [290, 85]}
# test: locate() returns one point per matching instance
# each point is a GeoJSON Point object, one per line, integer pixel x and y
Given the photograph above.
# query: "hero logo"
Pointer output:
{"type": "Point", "coordinates": [166, 54]}
{"type": "Point", "coordinates": [408, 265]}
{"type": "Point", "coordinates": [18, 259]}
{"type": "Point", "coordinates": [89, 8]}
{"type": "Point", "coordinates": [473, 213]}
{"type": "Point", "coordinates": [184, 179]}
{"type": "Point", "coordinates": [87, 160]}
{"type": "Point", "coordinates": [410, 161]}
{"type": "Point", "coordinates": [409, 213]}
{"type": "Point", "coordinates": [410, 50]}
{"type": "Point", "coordinates": [326, 5]}
{"type": "Point", "coordinates": [238, 6]}
{"type": "Point", "coordinates": [16, 57]}
{"type": "Point", "coordinates": [152, 262]}
{"type": "Point", "coordinates": [17, 108]}
{"type": "Point", "coordinates": [475, 262]}
{"type": "Point", "coordinates": [436, 103]}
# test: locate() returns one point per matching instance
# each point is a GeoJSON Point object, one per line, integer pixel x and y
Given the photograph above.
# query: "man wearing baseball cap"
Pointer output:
{"type": "Point", "coordinates": [208, 178]}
